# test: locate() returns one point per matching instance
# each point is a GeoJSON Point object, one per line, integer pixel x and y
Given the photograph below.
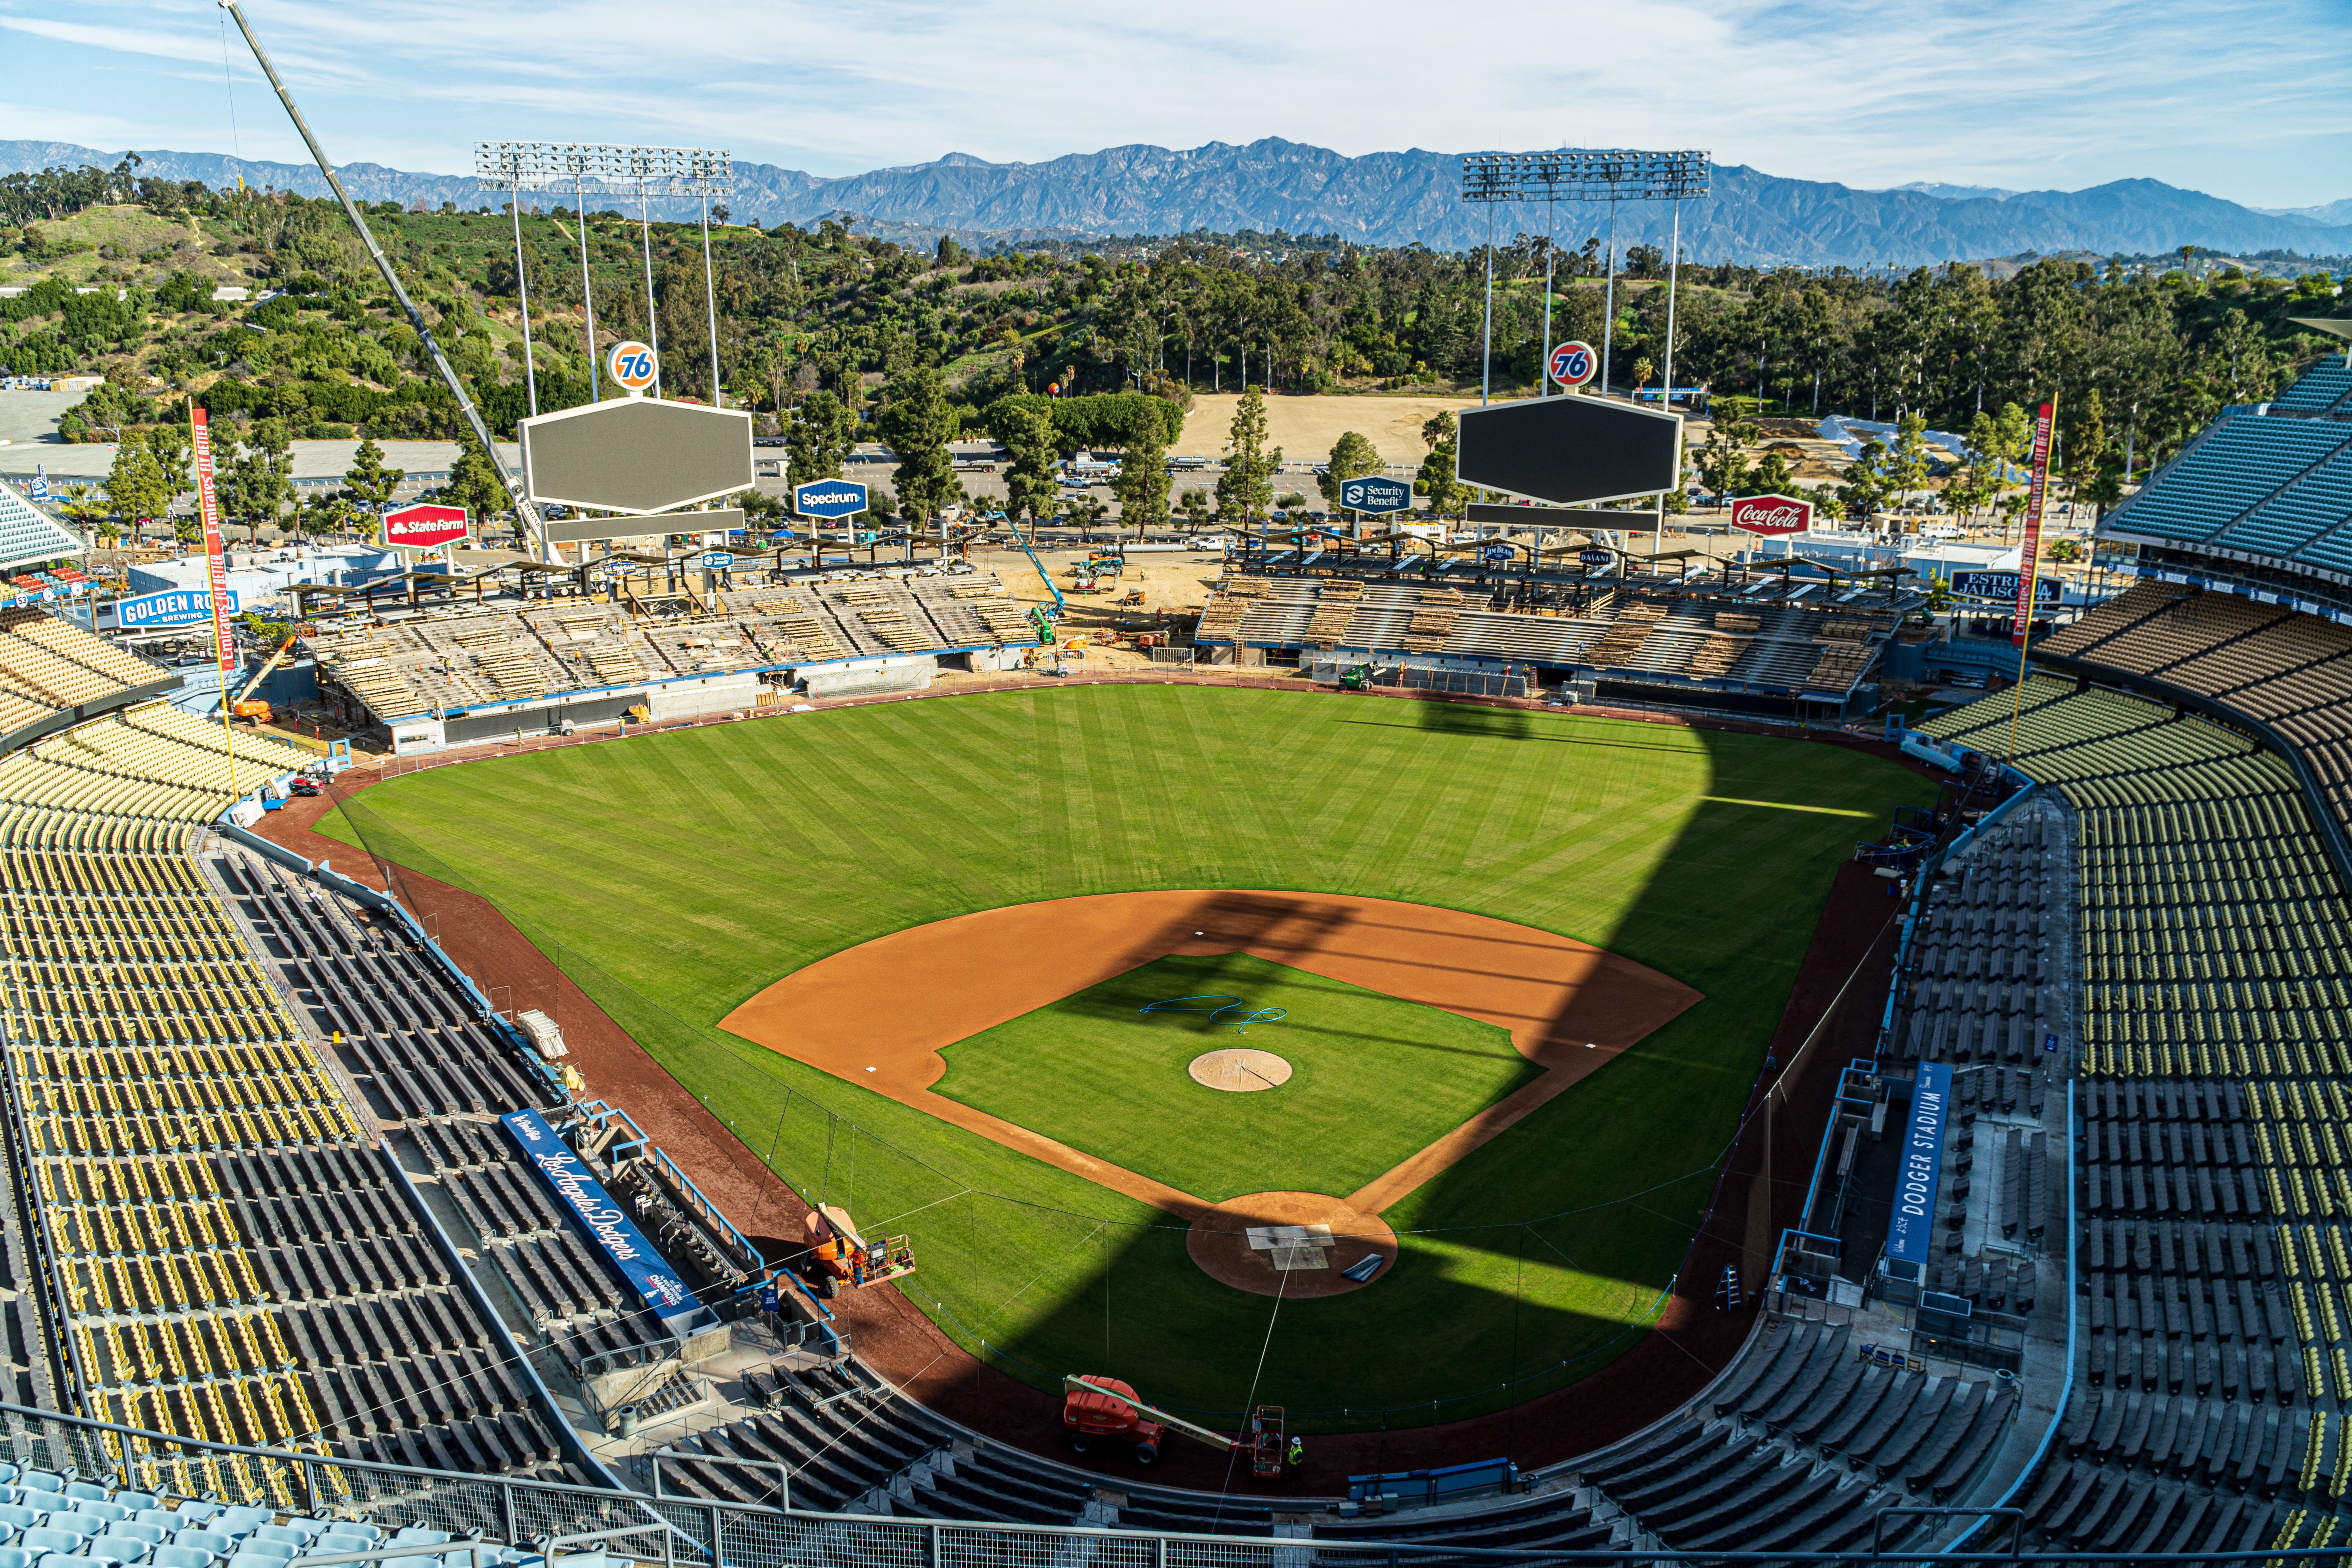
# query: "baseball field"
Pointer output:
{"type": "Point", "coordinates": [681, 878]}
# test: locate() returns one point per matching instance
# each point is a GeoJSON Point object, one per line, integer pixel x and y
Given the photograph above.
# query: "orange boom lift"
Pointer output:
{"type": "Point", "coordinates": [1103, 1407]}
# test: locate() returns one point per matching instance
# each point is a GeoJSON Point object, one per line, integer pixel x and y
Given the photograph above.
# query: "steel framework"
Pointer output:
{"type": "Point", "coordinates": [607, 168]}
{"type": "Point", "coordinates": [1610, 174]}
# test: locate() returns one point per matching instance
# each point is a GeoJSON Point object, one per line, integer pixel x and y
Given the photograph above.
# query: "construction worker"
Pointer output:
{"type": "Point", "coordinates": [1298, 1454]}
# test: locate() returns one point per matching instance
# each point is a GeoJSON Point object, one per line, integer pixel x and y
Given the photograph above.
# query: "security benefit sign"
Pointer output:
{"type": "Point", "coordinates": [608, 1224]}
{"type": "Point", "coordinates": [2001, 588]}
{"type": "Point", "coordinates": [1911, 1224]}
{"type": "Point", "coordinates": [1376, 495]}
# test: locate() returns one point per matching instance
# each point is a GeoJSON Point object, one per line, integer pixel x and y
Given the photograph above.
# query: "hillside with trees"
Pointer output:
{"type": "Point", "coordinates": [870, 322]}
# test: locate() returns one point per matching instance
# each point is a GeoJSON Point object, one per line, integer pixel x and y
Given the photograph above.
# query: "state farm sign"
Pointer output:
{"type": "Point", "coordinates": [422, 527]}
{"type": "Point", "coordinates": [1771, 514]}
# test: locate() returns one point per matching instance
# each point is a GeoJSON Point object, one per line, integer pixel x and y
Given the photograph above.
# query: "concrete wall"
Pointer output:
{"type": "Point", "coordinates": [711, 694]}
{"type": "Point", "coordinates": [869, 676]}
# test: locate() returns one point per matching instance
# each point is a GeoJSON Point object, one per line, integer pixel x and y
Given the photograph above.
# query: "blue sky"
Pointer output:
{"type": "Point", "coordinates": [2246, 102]}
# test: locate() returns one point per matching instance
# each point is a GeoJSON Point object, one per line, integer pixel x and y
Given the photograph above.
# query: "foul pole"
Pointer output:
{"type": "Point", "coordinates": [2029, 567]}
{"type": "Point", "coordinates": [200, 446]}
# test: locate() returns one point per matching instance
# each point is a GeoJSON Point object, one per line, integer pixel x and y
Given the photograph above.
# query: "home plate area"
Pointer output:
{"type": "Point", "coordinates": [1292, 1245]}
{"type": "Point", "coordinates": [1289, 1246]}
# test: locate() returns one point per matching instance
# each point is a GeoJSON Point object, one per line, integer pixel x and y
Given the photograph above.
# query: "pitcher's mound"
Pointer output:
{"type": "Point", "coordinates": [1292, 1245]}
{"type": "Point", "coordinates": [1240, 1070]}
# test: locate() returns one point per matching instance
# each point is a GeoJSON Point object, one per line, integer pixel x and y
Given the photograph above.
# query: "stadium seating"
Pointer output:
{"type": "Point", "coordinates": [2211, 929]}
{"type": "Point", "coordinates": [231, 1261]}
{"type": "Point", "coordinates": [435, 1068]}
{"type": "Point", "coordinates": [2274, 479]}
{"type": "Point", "coordinates": [464, 656]}
{"type": "Point", "coordinates": [2286, 668]}
{"type": "Point", "coordinates": [1713, 635]}
{"type": "Point", "coordinates": [47, 664]}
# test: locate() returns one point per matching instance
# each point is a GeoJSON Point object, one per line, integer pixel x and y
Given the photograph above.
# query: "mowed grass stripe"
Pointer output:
{"type": "Point", "coordinates": [683, 872]}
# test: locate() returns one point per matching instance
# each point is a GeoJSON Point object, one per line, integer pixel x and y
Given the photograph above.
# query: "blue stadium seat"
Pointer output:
{"type": "Point", "coordinates": [177, 1556]}
{"type": "Point", "coordinates": [2324, 385]}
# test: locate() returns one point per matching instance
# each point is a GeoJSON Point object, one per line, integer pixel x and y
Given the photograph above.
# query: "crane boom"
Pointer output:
{"type": "Point", "coordinates": [1073, 1383]}
{"type": "Point", "coordinates": [258, 675]}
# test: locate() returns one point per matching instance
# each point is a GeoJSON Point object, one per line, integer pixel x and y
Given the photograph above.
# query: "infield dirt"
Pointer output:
{"type": "Point", "coordinates": [1569, 1007]}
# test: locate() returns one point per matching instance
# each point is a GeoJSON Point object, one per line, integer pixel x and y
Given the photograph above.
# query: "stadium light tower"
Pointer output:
{"type": "Point", "coordinates": [610, 170]}
{"type": "Point", "coordinates": [1586, 175]}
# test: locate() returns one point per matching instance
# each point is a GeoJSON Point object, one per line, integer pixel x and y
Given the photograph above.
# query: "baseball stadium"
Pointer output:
{"type": "Point", "coordinates": [1516, 1050]}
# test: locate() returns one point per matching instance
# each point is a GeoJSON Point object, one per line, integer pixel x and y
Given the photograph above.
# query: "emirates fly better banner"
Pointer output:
{"type": "Point", "coordinates": [208, 507]}
{"type": "Point", "coordinates": [2028, 564]}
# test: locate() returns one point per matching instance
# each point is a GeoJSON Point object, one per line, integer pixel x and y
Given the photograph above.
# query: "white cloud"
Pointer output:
{"type": "Point", "coordinates": [2007, 92]}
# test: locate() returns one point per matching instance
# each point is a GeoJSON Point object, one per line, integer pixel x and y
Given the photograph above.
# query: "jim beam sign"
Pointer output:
{"type": "Point", "coordinates": [1771, 515]}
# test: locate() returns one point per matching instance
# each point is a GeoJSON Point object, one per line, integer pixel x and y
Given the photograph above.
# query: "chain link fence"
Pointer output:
{"type": "Point", "coordinates": [695, 1533]}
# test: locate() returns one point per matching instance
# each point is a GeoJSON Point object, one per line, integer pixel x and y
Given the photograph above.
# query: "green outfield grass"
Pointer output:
{"type": "Point", "coordinates": [1373, 1078]}
{"type": "Point", "coordinates": [674, 876]}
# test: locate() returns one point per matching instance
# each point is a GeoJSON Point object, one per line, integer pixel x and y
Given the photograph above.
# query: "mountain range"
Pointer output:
{"type": "Point", "coordinates": [1384, 198]}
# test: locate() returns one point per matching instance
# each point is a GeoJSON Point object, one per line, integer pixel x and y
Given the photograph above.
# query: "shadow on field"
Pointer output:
{"type": "Point", "coordinates": [1520, 1265]}
{"type": "Point", "coordinates": [1619, 1202]}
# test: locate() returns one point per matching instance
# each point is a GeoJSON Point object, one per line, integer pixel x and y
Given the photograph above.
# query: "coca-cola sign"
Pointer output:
{"type": "Point", "coordinates": [1772, 514]}
{"type": "Point", "coordinates": [420, 527]}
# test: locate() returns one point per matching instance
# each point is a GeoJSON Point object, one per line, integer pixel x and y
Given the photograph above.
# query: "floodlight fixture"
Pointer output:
{"type": "Point", "coordinates": [1585, 174]}
{"type": "Point", "coordinates": [606, 168]}
{"type": "Point", "coordinates": [1610, 174]}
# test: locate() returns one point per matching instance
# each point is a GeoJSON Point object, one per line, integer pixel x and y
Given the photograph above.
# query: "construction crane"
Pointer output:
{"type": "Point", "coordinates": [1104, 1408]}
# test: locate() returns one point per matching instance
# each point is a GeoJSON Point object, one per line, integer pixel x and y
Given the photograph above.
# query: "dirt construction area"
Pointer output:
{"type": "Point", "coordinates": [1305, 429]}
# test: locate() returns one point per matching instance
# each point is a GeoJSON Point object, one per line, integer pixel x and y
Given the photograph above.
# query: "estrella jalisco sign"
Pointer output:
{"type": "Point", "coordinates": [2002, 587]}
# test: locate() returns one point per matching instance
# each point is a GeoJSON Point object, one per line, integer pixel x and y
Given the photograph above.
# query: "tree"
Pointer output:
{"type": "Point", "coordinates": [86, 509]}
{"type": "Point", "coordinates": [818, 437]}
{"type": "Point", "coordinates": [1722, 465]}
{"type": "Point", "coordinates": [1194, 505]}
{"type": "Point", "coordinates": [474, 482]}
{"type": "Point", "coordinates": [2086, 444]}
{"type": "Point", "coordinates": [1352, 457]}
{"type": "Point", "coordinates": [1995, 445]}
{"type": "Point", "coordinates": [1246, 490]}
{"type": "Point", "coordinates": [135, 487]}
{"type": "Point", "coordinates": [1866, 484]}
{"type": "Point", "coordinates": [368, 482]}
{"type": "Point", "coordinates": [331, 512]}
{"type": "Point", "coordinates": [1030, 484]}
{"type": "Point", "coordinates": [918, 424]}
{"type": "Point", "coordinates": [1438, 480]}
{"type": "Point", "coordinates": [1771, 475]}
{"type": "Point", "coordinates": [1907, 460]}
{"type": "Point", "coordinates": [1143, 480]}
{"type": "Point", "coordinates": [261, 478]}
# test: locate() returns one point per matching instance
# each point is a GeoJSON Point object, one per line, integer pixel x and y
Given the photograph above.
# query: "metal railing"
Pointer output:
{"type": "Point", "coordinates": [708, 1533]}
